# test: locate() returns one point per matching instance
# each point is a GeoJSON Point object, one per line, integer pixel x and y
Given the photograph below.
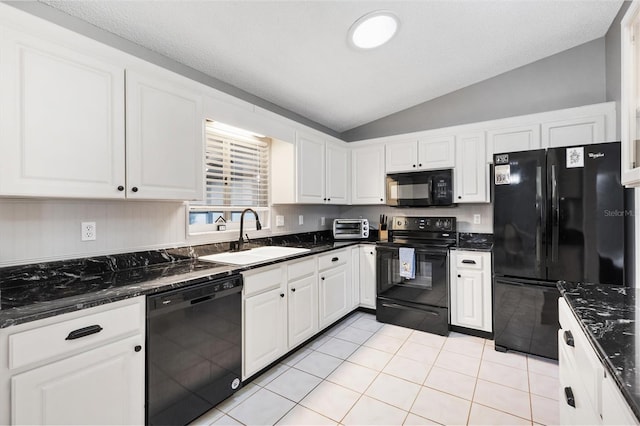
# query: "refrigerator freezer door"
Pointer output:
{"type": "Point", "coordinates": [526, 316]}
{"type": "Point", "coordinates": [586, 214]}
{"type": "Point", "coordinates": [519, 214]}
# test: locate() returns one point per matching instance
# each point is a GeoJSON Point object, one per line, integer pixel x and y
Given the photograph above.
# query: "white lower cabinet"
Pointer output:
{"type": "Point", "coordinates": [303, 301]}
{"type": "Point", "coordinates": [355, 277]}
{"type": "Point", "coordinates": [587, 394]}
{"type": "Point", "coordinates": [368, 276]}
{"type": "Point", "coordinates": [264, 310]}
{"type": "Point", "coordinates": [88, 368]}
{"type": "Point", "coordinates": [102, 386]}
{"type": "Point", "coordinates": [471, 304]}
{"type": "Point", "coordinates": [334, 286]}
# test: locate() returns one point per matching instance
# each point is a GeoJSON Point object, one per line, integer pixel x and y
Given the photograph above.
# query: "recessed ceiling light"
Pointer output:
{"type": "Point", "coordinates": [373, 29]}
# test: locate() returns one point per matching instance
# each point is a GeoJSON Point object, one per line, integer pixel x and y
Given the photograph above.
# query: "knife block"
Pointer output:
{"type": "Point", "coordinates": [383, 235]}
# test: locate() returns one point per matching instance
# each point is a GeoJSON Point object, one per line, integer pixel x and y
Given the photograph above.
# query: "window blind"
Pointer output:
{"type": "Point", "coordinates": [237, 170]}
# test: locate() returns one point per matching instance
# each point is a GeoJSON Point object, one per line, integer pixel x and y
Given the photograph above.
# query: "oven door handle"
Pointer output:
{"type": "Point", "coordinates": [407, 308]}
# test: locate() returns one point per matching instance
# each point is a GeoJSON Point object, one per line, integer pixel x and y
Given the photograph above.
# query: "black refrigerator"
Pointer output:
{"type": "Point", "coordinates": [559, 214]}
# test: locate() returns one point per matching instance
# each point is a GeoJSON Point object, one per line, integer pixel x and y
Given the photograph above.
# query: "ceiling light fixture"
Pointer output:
{"type": "Point", "coordinates": [373, 29]}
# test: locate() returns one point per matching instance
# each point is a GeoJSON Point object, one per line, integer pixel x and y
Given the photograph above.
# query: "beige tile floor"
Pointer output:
{"type": "Point", "coordinates": [362, 372]}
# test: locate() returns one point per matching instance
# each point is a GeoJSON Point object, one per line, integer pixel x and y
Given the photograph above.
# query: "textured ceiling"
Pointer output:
{"type": "Point", "coordinates": [295, 53]}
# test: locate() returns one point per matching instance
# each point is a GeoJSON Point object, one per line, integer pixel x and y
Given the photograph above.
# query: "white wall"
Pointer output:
{"type": "Point", "coordinates": [463, 213]}
{"type": "Point", "coordinates": [45, 230]}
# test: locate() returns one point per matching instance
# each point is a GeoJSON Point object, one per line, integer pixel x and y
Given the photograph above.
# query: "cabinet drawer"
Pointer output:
{"type": "Point", "coordinates": [263, 279]}
{"type": "Point", "coordinates": [578, 354]}
{"type": "Point", "coordinates": [466, 260]}
{"type": "Point", "coordinates": [64, 337]}
{"type": "Point", "coordinates": [302, 268]}
{"type": "Point", "coordinates": [332, 259]}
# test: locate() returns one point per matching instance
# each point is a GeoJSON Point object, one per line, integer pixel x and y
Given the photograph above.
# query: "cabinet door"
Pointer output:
{"type": "Point", "coordinates": [368, 276]}
{"type": "Point", "coordinates": [334, 293]}
{"type": "Point", "coordinates": [265, 325]}
{"type": "Point", "coordinates": [62, 127]}
{"type": "Point", "coordinates": [311, 170]}
{"type": "Point", "coordinates": [576, 131]}
{"type": "Point", "coordinates": [402, 156]}
{"type": "Point", "coordinates": [471, 170]}
{"type": "Point", "coordinates": [102, 386]}
{"type": "Point", "coordinates": [615, 409]}
{"type": "Point", "coordinates": [513, 139]}
{"type": "Point", "coordinates": [337, 173]}
{"type": "Point", "coordinates": [467, 303]}
{"type": "Point", "coordinates": [355, 277]}
{"type": "Point", "coordinates": [303, 309]}
{"type": "Point", "coordinates": [437, 153]}
{"type": "Point", "coordinates": [165, 139]}
{"type": "Point", "coordinates": [367, 175]}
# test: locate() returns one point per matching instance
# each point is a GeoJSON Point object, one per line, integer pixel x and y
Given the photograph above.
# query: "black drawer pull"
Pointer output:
{"type": "Point", "coordinates": [335, 259]}
{"type": "Point", "coordinates": [472, 262]}
{"type": "Point", "coordinates": [82, 332]}
{"type": "Point", "coordinates": [138, 348]}
{"type": "Point", "coordinates": [568, 394]}
{"type": "Point", "coordinates": [568, 338]}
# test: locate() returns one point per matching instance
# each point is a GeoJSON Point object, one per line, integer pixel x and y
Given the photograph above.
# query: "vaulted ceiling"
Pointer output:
{"type": "Point", "coordinates": [295, 53]}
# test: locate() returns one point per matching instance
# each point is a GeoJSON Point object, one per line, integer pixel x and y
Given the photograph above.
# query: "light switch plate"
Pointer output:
{"type": "Point", "coordinates": [300, 220]}
{"type": "Point", "coordinates": [279, 220]}
{"type": "Point", "coordinates": [323, 221]}
{"type": "Point", "coordinates": [476, 219]}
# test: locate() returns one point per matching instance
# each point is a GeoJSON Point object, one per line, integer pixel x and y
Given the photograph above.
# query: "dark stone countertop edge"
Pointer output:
{"type": "Point", "coordinates": [601, 353]}
{"type": "Point", "coordinates": [41, 310]}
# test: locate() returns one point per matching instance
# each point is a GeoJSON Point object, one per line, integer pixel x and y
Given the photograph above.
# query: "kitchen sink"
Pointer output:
{"type": "Point", "coordinates": [258, 254]}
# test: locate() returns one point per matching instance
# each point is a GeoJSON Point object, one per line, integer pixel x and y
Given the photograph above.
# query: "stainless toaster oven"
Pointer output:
{"type": "Point", "coordinates": [350, 229]}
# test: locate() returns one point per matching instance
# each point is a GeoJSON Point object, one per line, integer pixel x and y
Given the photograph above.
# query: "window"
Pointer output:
{"type": "Point", "coordinates": [237, 177]}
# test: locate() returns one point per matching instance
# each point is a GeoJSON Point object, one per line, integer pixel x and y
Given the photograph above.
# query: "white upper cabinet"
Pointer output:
{"type": "Point", "coordinates": [401, 156]}
{"type": "Point", "coordinates": [630, 102]}
{"type": "Point", "coordinates": [368, 176]}
{"type": "Point", "coordinates": [165, 138]}
{"type": "Point", "coordinates": [574, 131]}
{"type": "Point", "coordinates": [512, 139]}
{"type": "Point", "coordinates": [425, 154]}
{"type": "Point", "coordinates": [471, 172]}
{"type": "Point", "coordinates": [63, 130]}
{"type": "Point", "coordinates": [337, 174]}
{"type": "Point", "coordinates": [62, 126]}
{"type": "Point", "coordinates": [311, 169]}
{"type": "Point", "coordinates": [437, 153]}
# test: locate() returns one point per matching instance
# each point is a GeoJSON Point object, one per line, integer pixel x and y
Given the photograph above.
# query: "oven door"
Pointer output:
{"type": "Point", "coordinates": [430, 286]}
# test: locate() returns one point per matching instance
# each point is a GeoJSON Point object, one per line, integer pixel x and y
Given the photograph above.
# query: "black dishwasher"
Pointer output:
{"type": "Point", "coordinates": [194, 349]}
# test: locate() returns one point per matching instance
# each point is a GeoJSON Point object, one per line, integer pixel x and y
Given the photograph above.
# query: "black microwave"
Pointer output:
{"type": "Point", "coordinates": [420, 189]}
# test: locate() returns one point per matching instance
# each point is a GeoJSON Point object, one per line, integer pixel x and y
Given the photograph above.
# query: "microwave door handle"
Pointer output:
{"type": "Point", "coordinates": [430, 188]}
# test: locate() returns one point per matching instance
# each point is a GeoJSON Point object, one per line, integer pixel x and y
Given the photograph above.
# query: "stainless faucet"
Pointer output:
{"type": "Point", "coordinates": [238, 245]}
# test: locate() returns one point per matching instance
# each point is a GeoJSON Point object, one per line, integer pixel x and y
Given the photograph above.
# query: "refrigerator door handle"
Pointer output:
{"type": "Point", "coordinates": [540, 212]}
{"type": "Point", "coordinates": [555, 211]}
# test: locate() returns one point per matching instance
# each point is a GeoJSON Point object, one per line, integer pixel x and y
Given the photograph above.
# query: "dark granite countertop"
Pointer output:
{"type": "Point", "coordinates": [475, 241]}
{"type": "Point", "coordinates": [607, 314]}
{"type": "Point", "coordinates": [36, 291]}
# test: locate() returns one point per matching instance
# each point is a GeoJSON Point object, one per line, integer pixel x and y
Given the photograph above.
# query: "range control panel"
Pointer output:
{"type": "Point", "coordinates": [421, 223]}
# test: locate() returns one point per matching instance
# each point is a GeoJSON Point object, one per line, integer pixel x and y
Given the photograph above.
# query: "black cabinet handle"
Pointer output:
{"type": "Point", "coordinates": [324, 199]}
{"type": "Point", "coordinates": [414, 165]}
{"type": "Point", "coordinates": [459, 197]}
{"type": "Point", "coordinates": [335, 259]}
{"type": "Point", "coordinates": [471, 262]}
{"type": "Point", "coordinates": [568, 395]}
{"type": "Point", "coordinates": [293, 290]}
{"type": "Point", "coordinates": [371, 253]}
{"type": "Point", "coordinates": [134, 189]}
{"type": "Point", "coordinates": [82, 332]}
{"type": "Point", "coordinates": [281, 294]}
{"type": "Point", "coordinates": [568, 338]}
{"type": "Point", "coordinates": [420, 165]}
{"type": "Point", "coordinates": [328, 199]}
{"type": "Point", "coordinates": [120, 188]}
{"type": "Point", "coordinates": [459, 276]}
{"type": "Point", "coordinates": [138, 348]}
{"type": "Point", "coordinates": [322, 278]}
{"type": "Point", "coordinates": [381, 199]}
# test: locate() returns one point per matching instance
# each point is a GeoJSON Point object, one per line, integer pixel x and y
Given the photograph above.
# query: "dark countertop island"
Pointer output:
{"type": "Point", "coordinates": [607, 315]}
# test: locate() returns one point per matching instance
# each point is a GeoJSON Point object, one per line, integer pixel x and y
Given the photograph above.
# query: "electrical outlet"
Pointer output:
{"type": "Point", "coordinates": [476, 219]}
{"type": "Point", "coordinates": [300, 220]}
{"type": "Point", "coordinates": [88, 231]}
{"type": "Point", "coordinates": [323, 222]}
{"type": "Point", "coordinates": [279, 220]}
